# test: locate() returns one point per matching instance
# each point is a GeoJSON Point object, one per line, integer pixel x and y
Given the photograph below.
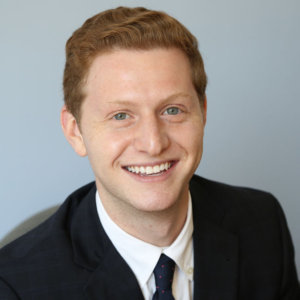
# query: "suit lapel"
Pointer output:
{"type": "Point", "coordinates": [113, 279]}
{"type": "Point", "coordinates": [110, 276]}
{"type": "Point", "coordinates": [215, 250]}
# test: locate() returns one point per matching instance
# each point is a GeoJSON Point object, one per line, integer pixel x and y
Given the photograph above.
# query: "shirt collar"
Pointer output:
{"type": "Point", "coordinates": [181, 250]}
{"type": "Point", "coordinates": [142, 257]}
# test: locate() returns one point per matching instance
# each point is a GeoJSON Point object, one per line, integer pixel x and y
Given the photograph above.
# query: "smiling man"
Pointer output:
{"type": "Point", "coordinates": [147, 228]}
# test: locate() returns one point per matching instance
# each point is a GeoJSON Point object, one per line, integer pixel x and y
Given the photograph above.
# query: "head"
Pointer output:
{"type": "Point", "coordinates": [135, 105]}
{"type": "Point", "coordinates": [125, 28]}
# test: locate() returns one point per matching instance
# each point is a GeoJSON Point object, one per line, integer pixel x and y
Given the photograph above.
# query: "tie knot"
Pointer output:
{"type": "Point", "coordinates": [163, 273]}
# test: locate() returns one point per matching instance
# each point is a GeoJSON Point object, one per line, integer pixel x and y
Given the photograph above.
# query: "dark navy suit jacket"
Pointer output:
{"type": "Point", "coordinates": [242, 250]}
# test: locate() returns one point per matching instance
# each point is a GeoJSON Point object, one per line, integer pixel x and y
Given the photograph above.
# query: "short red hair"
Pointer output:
{"type": "Point", "coordinates": [125, 28]}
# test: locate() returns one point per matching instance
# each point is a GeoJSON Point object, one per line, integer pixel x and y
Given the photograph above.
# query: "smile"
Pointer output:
{"type": "Point", "coordinates": [150, 170]}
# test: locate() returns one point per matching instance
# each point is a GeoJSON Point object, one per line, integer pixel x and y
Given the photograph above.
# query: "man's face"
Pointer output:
{"type": "Point", "coordinates": [142, 128]}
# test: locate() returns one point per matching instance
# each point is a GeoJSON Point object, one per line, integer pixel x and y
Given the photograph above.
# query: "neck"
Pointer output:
{"type": "Point", "coordinates": [159, 228]}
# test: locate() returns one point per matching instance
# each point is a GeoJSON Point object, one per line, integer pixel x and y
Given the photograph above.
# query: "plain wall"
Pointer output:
{"type": "Point", "coordinates": [251, 52]}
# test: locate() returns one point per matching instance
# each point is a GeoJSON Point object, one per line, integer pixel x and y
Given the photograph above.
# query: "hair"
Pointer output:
{"type": "Point", "coordinates": [125, 28]}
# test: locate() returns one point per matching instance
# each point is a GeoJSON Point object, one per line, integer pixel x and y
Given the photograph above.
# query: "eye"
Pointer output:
{"type": "Point", "coordinates": [121, 116]}
{"type": "Point", "coordinates": [172, 111]}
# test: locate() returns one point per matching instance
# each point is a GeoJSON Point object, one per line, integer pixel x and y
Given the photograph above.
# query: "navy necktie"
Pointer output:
{"type": "Point", "coordinates": [163, 273]}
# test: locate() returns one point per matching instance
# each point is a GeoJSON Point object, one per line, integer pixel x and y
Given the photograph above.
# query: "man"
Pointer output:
{"type": "Point", "coordinates": [135, 104]}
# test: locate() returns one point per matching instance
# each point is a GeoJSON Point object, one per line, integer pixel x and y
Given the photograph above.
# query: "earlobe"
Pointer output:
{"type": "Point", "coordinates": [72, 132]}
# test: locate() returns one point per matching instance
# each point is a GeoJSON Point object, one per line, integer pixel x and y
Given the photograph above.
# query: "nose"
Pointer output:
{"type": "Point", "coordinates": [151, 136]}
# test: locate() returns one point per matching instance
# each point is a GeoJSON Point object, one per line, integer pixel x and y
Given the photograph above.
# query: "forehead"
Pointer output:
{"type": "Point", "coordinates": [138, 71]}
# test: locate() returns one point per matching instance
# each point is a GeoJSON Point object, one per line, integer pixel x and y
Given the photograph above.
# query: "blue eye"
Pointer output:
{"type": "Point", "coordinates": [120, 116]}
{"type": "Point", "coordinates": [172, 111]}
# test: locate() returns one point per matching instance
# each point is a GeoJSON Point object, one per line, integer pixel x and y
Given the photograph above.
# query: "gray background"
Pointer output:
{"type": "Point", "coordinates": [251, 50]}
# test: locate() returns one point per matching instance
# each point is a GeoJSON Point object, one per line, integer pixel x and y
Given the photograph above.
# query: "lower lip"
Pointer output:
{"type": "Point", "coordinates": [155, 177]}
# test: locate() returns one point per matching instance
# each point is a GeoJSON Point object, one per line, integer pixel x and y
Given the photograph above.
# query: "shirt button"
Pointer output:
{"type": "Point", "coordinates": [190, 271]}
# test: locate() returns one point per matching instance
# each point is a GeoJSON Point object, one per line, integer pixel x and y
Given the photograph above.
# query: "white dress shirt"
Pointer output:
{"type": "Point", "coordinates": [142, 257]}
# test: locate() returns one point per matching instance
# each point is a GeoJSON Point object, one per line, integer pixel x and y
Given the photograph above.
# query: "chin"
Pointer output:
{"type": "Point", "coordinates": [155, 204]}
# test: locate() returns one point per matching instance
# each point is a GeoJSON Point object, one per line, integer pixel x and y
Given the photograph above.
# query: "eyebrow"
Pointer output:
{"type": "Point", "coordinates": [171, 97]}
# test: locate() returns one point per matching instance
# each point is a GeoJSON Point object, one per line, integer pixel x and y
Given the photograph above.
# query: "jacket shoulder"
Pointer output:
{"type": "Point", "coordinates": [256, 221]}
{"type": "Point", "coordinates": [43, 257]}
{"type": "Point", "coordinates": [241, 205]}
{"type": "Point", "coordinates": [56, 226]}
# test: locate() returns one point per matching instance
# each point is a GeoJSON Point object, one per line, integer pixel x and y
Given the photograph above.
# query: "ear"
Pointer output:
{"type": "Point", "coordinates": [72, 132]}
{"type": "Point", "coordinates": [204, 109]}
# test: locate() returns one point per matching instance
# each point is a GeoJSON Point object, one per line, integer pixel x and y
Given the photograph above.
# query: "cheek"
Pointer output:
{"type": "Point", "coordinates": [108, 146]}
{"type": "Point", "coordinates": [189, 136]}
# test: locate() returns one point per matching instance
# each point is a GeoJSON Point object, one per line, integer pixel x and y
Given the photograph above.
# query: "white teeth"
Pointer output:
{"type": "Point", "coordinates": [156, 169]}
{"type": "Point", "coordinates": [149, 170]}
